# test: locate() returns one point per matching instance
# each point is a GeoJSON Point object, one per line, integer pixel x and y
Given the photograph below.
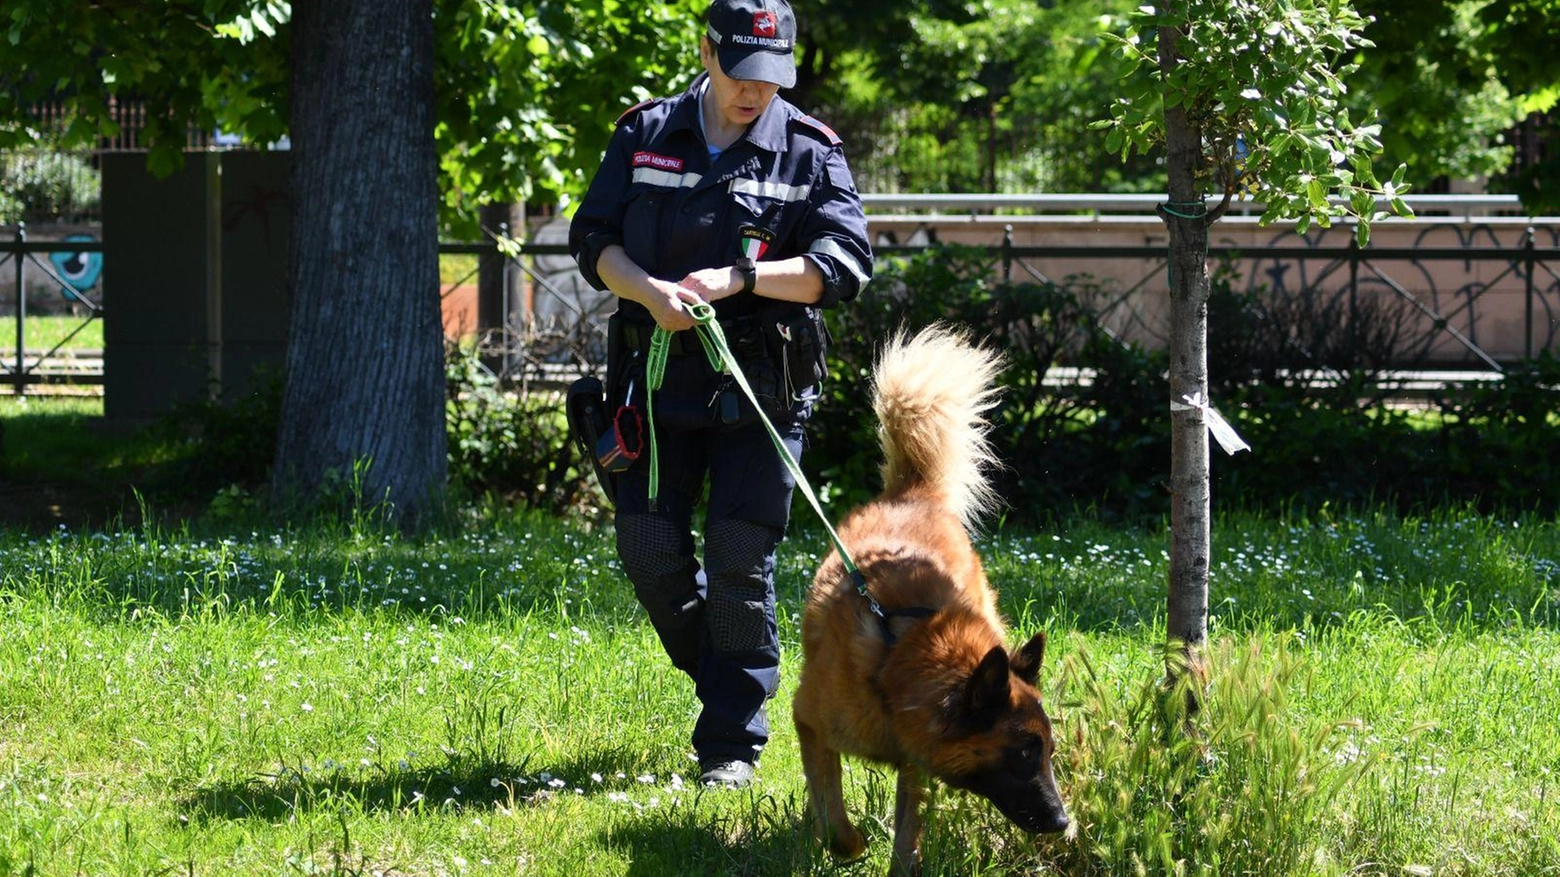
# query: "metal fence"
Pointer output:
{"type": "Point", "coordinates": [1477, 281]}
{"type": "Point", "coordinates": [555, 321]}
{"type": "Point", "coordinates": [63, 185]}
{"type": "Point", "coordinates": [59, 364]}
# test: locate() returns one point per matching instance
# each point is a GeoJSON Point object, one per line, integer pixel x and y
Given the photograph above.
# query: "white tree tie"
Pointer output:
{"type": "Point", "coordinates": [1223, 433]}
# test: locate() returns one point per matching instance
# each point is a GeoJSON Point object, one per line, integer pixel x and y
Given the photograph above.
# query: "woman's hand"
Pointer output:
{"type": "Point", "coordinates": [666, 301]}
{"type": "Point", "coordinates": [712, 284]}
{"type": "Point", "coordinates": [669, 305]}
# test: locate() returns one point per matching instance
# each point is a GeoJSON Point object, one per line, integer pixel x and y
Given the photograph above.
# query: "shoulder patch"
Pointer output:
{"type": "Point", "coordinates": [634, 110]}
{"type": "Point", "coordinates": [819, 129]}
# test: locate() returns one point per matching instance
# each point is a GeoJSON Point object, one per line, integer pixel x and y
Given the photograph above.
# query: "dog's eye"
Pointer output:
{"type": "Point", "coordinates": [1031, 750]}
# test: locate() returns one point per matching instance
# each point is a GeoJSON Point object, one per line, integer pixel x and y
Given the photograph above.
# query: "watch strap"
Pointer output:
{"type": "Point", "coordinates": [749, 271]}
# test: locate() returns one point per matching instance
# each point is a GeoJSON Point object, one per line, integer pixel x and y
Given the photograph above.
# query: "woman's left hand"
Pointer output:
{"type": "Point", "coordinates": [712, 284]}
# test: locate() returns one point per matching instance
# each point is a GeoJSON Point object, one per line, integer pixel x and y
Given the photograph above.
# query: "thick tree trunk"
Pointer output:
{"type": "Point", "coordinates": [364, 398]}
{"type": "Point", "coordinates": [1187, 605]}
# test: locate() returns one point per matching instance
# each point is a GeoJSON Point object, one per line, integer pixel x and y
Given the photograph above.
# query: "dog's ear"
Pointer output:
{"type": "Point", "coordinates": [988, 687]}
{"type": "Point", "coordinates": [1026, 661]}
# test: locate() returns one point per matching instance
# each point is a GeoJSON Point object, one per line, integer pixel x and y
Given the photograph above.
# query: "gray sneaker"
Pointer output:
{"type": "Point", "coordinates": [733, 774]}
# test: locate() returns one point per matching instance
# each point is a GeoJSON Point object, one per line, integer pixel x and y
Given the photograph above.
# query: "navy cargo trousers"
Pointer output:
{"type": "Point", "coordinates": [716, 620]}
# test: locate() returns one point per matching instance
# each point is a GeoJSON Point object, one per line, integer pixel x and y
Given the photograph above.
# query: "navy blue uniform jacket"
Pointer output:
{"type": "Point", "coordinates": [784, 186]}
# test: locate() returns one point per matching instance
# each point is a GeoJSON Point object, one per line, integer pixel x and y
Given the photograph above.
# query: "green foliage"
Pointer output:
{"type": "Point", "coordinates": [1082, 422]}
{"type": "Point", "coordinates": [10, 208]}
{"type": "Point", "coordinates": [1002, 93]}
{"type": "Point", "coordinates": [199, 66]}
{"type": "Point", "coordinates": [225, 448]}
{"type": "Point", "coordinates": [526, 92]}
{"type": "Point", "coordinates": [1063, 443]}
{"type": "Point", "coordinates": [1500, 440]}
{"type": "Point", "coordinates": [509, 444]}
{"type": "Point", "coordinates": [1326, 429]}
{"type": "Point", "coordinates": [1519, 37]}
{"type": "Point", "coordinates": [971, 98]}
{"type": "Point", "coordinates": [47, 182]}
{"type": "Point", "coordinates": [1425, 50]}
{"type": "Point", "coordinates": [1262, 83]}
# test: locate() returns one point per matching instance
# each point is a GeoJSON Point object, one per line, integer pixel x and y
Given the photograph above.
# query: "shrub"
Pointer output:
{"type": "Point", "coordinates": [1299, 385]}
{"type": "Point", "coordinates": [1298, 373]}
{"type": "Point", "coordinates": [1095, 441]}
{"type": "Point", "coordinates": [1499, 441]}
{"type": "Point", "coordinates": [225, 448]}
{"type": "Point", "coordinates": [511, 443]}
{"type": "Point", "coordinates": [48, 183]}
{"type": "Point", "coordinates": [10, 208]}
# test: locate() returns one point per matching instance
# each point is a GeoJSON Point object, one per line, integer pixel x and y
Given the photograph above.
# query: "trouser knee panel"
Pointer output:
{"type": "Point", "coordinates": [659, 562]}
{"type": "Point", "coordinates": [740, 560]}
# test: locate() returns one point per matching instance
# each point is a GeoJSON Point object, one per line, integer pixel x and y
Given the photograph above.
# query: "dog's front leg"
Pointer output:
{"type": "Point", "coordinates": [825, 787]}
{"type": "Point", "coordinates": [909, 799]}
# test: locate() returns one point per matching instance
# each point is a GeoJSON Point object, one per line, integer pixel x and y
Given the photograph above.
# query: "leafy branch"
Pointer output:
{"type": "Point", "coordinates": [1261, 81]}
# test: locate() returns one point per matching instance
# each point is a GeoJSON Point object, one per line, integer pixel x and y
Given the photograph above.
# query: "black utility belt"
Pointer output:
{"type": "Point", "coordinates": [781, 350]}
{"type": "Point", "coordinates": [684, 343]}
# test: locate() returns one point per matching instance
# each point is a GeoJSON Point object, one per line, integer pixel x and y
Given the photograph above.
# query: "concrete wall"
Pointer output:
{"type": "Point", "coordinates": [1484, 300]}
{"type": "Point", "coordinates": [44, 294]}
{"type": "Point", "coordinates": [197, 266]}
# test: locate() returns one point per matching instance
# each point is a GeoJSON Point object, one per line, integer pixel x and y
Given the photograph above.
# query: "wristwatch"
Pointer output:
{"type": "Point", "coordinates": [749, 272]}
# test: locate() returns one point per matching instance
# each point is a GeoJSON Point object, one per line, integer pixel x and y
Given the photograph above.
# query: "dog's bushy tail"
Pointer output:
{"type": "Point", "coordinates": [930, 393]}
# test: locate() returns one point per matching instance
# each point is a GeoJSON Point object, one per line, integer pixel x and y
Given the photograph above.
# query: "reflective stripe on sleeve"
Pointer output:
{"type": "Point", "coordinates": [828, 247]}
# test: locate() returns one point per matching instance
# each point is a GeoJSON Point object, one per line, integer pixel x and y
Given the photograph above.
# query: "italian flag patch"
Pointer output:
{"type": "Point", "coordinates": [755, 241]}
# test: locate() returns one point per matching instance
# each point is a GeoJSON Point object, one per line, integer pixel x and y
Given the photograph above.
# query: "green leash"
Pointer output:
{"type": "Point", "coordinates": [713, 338]}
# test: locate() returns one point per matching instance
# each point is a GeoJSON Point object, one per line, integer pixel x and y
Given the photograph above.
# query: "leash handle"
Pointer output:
{"type": "Point", "coordinates": [713, 338]}
{"type": "Point", "coordinates": [655, 375]}
{"type": "Point", "coordinates": [718, 352]}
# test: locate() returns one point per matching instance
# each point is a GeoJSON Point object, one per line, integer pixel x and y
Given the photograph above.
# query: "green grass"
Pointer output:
{"type": "Point", "coordinates": [62, 438]}
{"type": "Point", "coordinates": [42, 333]}
{"type": "Point", "coordinates": [60, 461]}
{"type": "Point", "coordinates": [254, 700]}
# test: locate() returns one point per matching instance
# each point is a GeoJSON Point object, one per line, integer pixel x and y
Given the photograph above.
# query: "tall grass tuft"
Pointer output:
{"type": "Point", "coordinates": [1240, 787]}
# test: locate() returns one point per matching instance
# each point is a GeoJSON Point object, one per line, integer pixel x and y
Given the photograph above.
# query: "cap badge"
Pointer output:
{"type": "Point", "coordinates": [765, 24]}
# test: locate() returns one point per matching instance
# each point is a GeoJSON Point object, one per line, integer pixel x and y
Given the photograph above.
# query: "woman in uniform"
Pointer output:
{"type": "Point", "coordinates": [728, 195]}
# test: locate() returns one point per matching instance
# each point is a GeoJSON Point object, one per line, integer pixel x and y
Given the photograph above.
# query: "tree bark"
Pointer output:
{"type": "Point", "coordinates": [363, 407]}
{"type": "Point", "coordinates": [1187, 604]}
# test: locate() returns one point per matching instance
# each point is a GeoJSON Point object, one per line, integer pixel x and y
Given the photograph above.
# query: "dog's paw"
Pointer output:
{"type": "Point", "coordinates": [905, 867]}
{"type": "Point", "coordinates": [848, 843]}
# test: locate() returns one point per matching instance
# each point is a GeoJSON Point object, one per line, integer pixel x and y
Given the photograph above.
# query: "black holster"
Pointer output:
{"type": "Point", "coordinates": [798, 342]}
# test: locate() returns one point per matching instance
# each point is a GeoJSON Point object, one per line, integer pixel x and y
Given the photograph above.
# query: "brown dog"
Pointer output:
{"type": "Point", "coordinates": [928, 685]}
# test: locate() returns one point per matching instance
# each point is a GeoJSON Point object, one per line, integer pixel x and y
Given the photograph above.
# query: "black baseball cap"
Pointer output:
{"type": "Point", "coordinates": [754, 39]}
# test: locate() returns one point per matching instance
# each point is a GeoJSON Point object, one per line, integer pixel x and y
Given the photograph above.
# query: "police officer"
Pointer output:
{"type": "Point", "coordinates": [725, 194]}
